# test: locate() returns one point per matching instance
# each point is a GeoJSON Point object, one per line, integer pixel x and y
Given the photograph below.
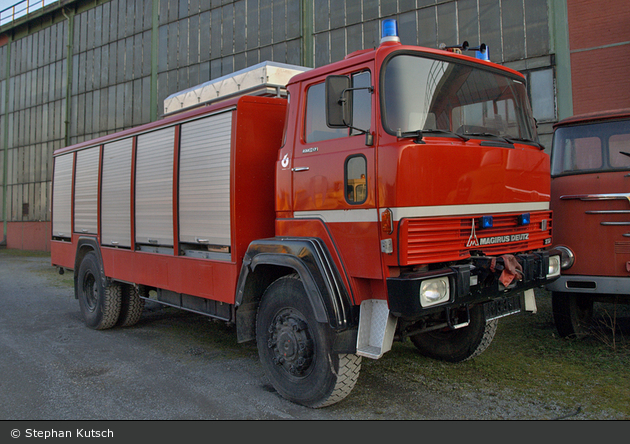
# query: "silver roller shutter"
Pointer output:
{"type": "Point", "coordinates": [204, 180]}
{"type": "Point", "coordinates": [116, 194]}
{"type": "Point", "coordinates": [154, 187]}
{"type": "Point", "coordinates": [62, 196]}
{"type": "Point", "coordinates": [86, 191]}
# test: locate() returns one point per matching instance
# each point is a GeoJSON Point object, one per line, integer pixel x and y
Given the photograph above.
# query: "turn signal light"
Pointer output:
{"type": "Point", "coordinates": [387, 223]}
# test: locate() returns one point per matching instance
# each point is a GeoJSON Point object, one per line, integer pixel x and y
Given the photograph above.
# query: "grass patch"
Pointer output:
{"type": "Point", "coordinates": [11, 252]}
{"type": "Point", "coordinates": [527, 358]}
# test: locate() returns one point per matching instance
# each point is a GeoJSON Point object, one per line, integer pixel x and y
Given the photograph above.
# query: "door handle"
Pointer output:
{"type": "Point", "coordinates": [298, 169]}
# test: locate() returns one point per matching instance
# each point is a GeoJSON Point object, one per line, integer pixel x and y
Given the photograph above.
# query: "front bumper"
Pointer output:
{"type": "Point", "coordinates": [470, 283]}
{"type": "Point", "coordinates": [595, 285]}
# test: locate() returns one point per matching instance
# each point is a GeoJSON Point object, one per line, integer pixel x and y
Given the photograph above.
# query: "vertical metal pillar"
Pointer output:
{"type": "Point", "coordinates": [154, 60]}
{"type": "Point", "coordinates": [70, 19]}
{"type": "Point", "coordinates": [559, 38]}
{"type": "Point", "coordinates": [5, 144]}
{"type": "Point", "coordinates": [308, 52]}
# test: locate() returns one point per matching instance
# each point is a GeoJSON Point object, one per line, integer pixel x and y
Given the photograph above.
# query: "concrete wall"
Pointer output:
{"type": "Point", "coordinates": [92, 67]}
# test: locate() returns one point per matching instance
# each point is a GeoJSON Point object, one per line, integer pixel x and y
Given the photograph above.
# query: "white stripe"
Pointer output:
{"type": "Point", "coordinates": [358, 215]}
{"type": "Point", "coordinates": [371, 215]}
{"type": "Point", "coordinates": [460, 210]}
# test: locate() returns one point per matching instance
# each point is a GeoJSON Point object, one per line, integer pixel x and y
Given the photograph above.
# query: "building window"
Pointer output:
{"type": "Point", "coordinates": [543, 95]}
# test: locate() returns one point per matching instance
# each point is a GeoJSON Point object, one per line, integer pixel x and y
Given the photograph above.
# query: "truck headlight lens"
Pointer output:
{"type": "Point", "coordinates": [566, 257]}
{"type": "Point", "coordinates": [554, 266]}
{"type": "Point", "coordinates": [434, 291]}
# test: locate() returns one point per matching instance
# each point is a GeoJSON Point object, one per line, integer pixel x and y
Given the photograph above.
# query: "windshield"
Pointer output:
{"type": "Point", "coordinates": [430, 94]}
{"type": "Point", "coordinates": [590, 148]}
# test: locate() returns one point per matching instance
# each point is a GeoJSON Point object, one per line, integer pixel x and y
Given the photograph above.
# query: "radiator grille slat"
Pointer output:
{"type": "Point", "coordinates": [430, 240]}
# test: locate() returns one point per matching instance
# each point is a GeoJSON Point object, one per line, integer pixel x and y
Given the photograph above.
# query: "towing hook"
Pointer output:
{"type": "Point", "coordinates": [61, 271]}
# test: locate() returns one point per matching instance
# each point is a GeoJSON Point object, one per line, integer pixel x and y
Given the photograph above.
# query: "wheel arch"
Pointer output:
{"type": "Point", "coordinates": [84, 246]}
{"type": "Point", "coordinates": [269, 259]}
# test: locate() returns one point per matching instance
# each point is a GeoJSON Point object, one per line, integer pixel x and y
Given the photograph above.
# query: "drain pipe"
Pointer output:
{"type": "Point", "coordinates": [5, 144]}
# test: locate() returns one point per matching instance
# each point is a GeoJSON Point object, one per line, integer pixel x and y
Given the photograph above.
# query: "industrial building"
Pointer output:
{"type": "Point", "coordinates": [73, 70]}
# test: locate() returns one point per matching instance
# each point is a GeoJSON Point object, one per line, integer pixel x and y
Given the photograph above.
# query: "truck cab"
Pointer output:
{"type": "Point", "coordinates": [590, 197]}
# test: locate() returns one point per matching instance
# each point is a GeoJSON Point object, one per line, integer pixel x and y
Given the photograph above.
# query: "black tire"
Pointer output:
{"type": "Point", "coordinates": [296, 351]}
{"type": "Point", "coordinates": [131, 305]}
{"type": "Point", "coordinates": [461, 344]}
{"type": "Point", "coordinates": [100, 305]}
{"type": "Point", "coordinates": [572, 314]}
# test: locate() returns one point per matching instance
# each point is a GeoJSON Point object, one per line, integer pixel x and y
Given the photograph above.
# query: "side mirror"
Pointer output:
{"type": "Point", "coordinates": [338, 102]}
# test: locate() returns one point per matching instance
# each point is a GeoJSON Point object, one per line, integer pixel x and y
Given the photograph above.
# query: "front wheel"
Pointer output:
{"type": "Point", "coordinates": [572, 314]}
{"type": "Point", "coordinates": [461, 344]}
{"type": "Point", "coordinates": [296, 351]}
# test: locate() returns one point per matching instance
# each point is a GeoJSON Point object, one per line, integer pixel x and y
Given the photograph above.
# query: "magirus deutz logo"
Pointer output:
{"type": "Point", "coordinates": [473, 241]}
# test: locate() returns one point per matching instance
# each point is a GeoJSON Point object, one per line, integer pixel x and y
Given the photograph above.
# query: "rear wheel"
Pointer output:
{"type": "Point", "coordinates": [131, 305]}
{"type": "Point", "coordinates": [296, 351]}
{"type": "Point", "coordinates": [100, 304]}
{"type": "Point", "coordinates": [460, 344]}
{"type": "Point", "coordinates": [572, 314]}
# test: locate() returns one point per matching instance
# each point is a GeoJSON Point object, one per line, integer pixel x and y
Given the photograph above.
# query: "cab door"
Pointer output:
{"type": "Point", "coordinates": [334, 176]}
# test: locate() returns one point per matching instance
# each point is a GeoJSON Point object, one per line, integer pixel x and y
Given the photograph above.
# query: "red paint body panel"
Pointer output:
{"type": "Point", "coordinates": [448, 172]}
{"type": "Point", "coordinates": [253, 156]}
{"type": "Point", "coordinates": [599, 250]}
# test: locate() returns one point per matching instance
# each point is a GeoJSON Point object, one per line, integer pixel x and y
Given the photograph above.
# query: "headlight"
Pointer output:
{"type": "Point", "coordinates": [554, 266]}
{"type": "Point", "coordinates": [567, 257]}
{"type": "Point", "coordinates": [434, 291]}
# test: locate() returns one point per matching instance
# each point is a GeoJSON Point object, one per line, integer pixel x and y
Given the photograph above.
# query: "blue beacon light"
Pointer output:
{"type": "Point", "coordinates": [483, 53]}
{"type": "Point", "coordinates": [486, 222]}
{"type": "Point", "coordinates": [524, 219]}
{"type": "Point", "coordinates": [389, 31]}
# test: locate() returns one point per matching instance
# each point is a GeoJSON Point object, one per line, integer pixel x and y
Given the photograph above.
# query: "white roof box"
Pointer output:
{"type": "Point", "coordinates": [263, 79]}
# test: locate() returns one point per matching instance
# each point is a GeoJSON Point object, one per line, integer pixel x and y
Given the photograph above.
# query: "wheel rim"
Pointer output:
{"type": "Point", "coordinates": [290, 343]}
{"type": "Point", "coordinates": [90, 291]}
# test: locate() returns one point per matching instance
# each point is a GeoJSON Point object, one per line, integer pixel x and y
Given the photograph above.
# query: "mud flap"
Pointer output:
{"type": "Point", "coordinates": [376, 329]}
{"type": "Point", "coordinates": [530, 301]}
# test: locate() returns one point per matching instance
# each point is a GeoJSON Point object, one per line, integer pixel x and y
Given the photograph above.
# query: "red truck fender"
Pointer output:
{"type": "Point", "coordinates": [268, 259]}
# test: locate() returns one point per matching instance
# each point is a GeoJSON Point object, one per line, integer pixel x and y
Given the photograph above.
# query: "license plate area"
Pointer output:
{"type": "Point", "coordinates": [501, 307]}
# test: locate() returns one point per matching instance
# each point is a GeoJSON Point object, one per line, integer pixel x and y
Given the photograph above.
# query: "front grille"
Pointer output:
{"type": "Point", "coordinates": [444, 239]}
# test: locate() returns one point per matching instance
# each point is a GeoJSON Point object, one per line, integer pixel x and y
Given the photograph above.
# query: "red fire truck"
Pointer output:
{"type": "Point", "coordinates": [590, 197]}
{"type": "Point", "coordinates": [399, 193]}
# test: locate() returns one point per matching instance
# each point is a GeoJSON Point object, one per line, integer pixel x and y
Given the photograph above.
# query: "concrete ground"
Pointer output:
{"type": "Point", "coordinates": [174, 365]}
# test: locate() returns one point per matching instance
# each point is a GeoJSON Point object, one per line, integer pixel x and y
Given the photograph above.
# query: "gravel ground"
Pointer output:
{"type": "Point", "coordinates": [180, 366]}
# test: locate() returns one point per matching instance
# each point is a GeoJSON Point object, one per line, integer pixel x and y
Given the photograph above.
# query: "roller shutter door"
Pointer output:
{"type": "Point", "coordinates": [154, 187]}
{"type": "Point", "coordinates": [62, 196]}
{"type": "Point", "coordinates": [86, 191]}
{"type": "Point", "coordinates": [204, 180]}
{"type": "Point", "coordinates": [115, 194]}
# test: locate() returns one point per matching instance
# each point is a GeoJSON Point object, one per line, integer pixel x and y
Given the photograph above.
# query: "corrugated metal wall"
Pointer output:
{"type": "Point", "coordinates": [108, 65]}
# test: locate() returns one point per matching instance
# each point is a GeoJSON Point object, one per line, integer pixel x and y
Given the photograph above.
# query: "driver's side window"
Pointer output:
{"type": "Point", "coordinates": [315, 126]}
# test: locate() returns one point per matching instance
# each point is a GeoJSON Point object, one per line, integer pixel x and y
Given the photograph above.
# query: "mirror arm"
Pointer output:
{"type": "Point", "coordinates": [342, 99]}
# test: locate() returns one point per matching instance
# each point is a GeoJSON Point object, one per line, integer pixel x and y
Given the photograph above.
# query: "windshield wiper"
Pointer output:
{"type": "Point", "coordinates": [530, 141]}
{"type": "Point", "coordinates": [624, 153]}
{"type": "Point", "coordinates": [492, 136]}
{"type": "Point", "coordinates": [450, 133]}
{"type": "Point", "coordinates": [419, 133]}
